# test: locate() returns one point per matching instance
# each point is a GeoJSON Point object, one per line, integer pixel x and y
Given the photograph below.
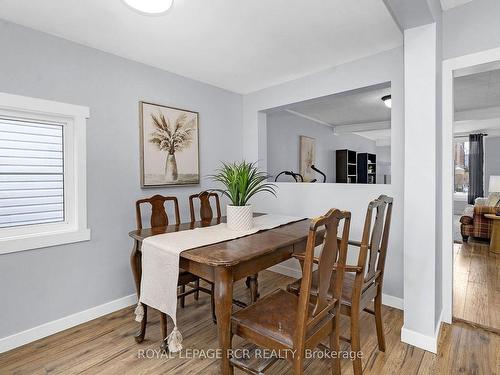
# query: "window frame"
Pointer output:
{"type": "Point", "coordinates": [459, 195]}
{"type": "Point", "coordinates": [74, 228]}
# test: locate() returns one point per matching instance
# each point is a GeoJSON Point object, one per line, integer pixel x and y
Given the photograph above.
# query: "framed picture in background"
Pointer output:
{"type": "Point", "coordinates": [169, 146]}
{"type": "Point", "coordinates": [307, 153]}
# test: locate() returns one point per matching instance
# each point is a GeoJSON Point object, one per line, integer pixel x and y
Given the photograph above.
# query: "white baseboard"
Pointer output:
{"type": "Point", "coordinates": [429, 343]}
{"type": "Point", "coordinates": [396, 302]}
{"type": "Point", "coordinates": [47, 329]}
{"type": "Point", "coordinates": [287, 271]}
{"type": "Point", "coordinates": [387, 300]}
{"type": "Point", "coordinates": [419, 340]}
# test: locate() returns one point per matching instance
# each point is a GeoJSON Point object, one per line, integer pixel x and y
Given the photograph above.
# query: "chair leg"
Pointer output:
{"type": "Point", "coordinates": [212, 306]}
{"type": "Point", "coordinates": [139, 337]}
{"type": "Point", "coordinates": [197, 286]}
{"type": "Point", "coordinates": [183, 299]}
{"type": "Point", "coordinates": [335, 344]}
{"type": "Point", "coordinates": [164, 331]}
{"type": "Point", "coordinates": [378, 322]}
{"type": "Point", "coordinates": [298, 363]}
{"type": "Point", "coordinates": [254, 288]}
{"type": "Point", "coordinates": [355, 341]}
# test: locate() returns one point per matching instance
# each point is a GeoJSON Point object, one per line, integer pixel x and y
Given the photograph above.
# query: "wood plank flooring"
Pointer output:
{"type": "Point", "coordinates": [476, 284]}
{"type": "Point", "coordinates": [106, 346]}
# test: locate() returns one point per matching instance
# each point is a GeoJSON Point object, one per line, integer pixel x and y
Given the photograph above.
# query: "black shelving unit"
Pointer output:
{"type": "Point", "coordinates": [367, 168]}
{"type": "Point", "coordinates": [346, 167]}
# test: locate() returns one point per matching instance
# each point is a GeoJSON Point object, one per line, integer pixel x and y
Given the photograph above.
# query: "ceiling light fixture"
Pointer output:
{"type": "Point", "coordinates": [150, 7]}
{"type": "Point", "coordinates": [387, 101]}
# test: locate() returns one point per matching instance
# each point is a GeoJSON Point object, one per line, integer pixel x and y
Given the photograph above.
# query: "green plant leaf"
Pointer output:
{"type": "Point", "coordinates": [242, 181]}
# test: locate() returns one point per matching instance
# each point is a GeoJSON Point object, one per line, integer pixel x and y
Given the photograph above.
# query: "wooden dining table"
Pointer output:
{"type": "Point", "coordinates": [224, 263]}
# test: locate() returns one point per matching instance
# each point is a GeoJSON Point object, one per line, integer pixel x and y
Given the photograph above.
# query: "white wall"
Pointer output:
{"type": "Point", "coordinates": [491, 160]}
{"type": "Point", "coordinates": [43, 285]}
{"type": "Point", "coordinates": [315, 199]}
{"type": "Point", "coordinates": [283, 133]}
{"type": "Point", "coordinates": [472, 27]}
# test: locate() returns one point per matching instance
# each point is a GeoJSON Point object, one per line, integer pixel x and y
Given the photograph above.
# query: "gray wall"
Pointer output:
{"type": "Point", "coordinates": [46, 284]}
{"type": "Point", "coordinates": [283, 132]}
{"type": "Point", "coordinates": [470, 28]}
{"type": "Point", "coordinates": [491, 160]}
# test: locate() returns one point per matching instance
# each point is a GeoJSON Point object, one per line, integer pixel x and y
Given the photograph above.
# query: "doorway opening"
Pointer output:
{"type": "Point", "coordinates": [474, 122]}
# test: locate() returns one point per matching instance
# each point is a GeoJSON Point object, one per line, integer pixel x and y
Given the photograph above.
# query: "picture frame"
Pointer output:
{"type": "Point", "coordinates": [169, 146]}
{"type": "Point", "coordinates": [307, 157]}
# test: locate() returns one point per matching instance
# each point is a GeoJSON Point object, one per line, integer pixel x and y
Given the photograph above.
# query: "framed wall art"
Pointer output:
{"type": "Point", "coordinates": [307, 157]}
{"type": "Point", "coordinates": [169, 146]}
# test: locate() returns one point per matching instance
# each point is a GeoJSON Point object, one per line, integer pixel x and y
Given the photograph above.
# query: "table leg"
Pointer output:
{"type": "Point", "coordinates": [136, 265]}
{"type": "Point", "coordinates": [223, 308]}
{"type": "Point", "coordinates": [495, 237]}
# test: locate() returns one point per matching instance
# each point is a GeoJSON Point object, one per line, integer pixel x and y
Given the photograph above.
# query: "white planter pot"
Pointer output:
{"type": "Point", "coordinates": [239, 217]}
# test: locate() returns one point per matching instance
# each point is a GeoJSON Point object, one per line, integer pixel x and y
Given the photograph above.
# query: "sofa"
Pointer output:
{"type": "Point", "coordinates": [473, 223]}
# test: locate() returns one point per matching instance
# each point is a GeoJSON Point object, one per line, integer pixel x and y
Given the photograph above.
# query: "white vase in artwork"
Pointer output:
{"type": "Point", "coordinates": [239, 217]}
{"type": "Point", "coordinates": [171, 168]}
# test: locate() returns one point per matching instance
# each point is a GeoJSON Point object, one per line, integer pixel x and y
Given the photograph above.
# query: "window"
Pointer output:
{"type": "Point", "coordinates": [42, 173]}
{"type": "Point", "coordinates": [461, 157]}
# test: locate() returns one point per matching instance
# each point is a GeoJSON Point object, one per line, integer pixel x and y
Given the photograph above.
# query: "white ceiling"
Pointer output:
{"type": "Point", "coordinates": [477, 100]}
{"type": "Point", "coordinates": [448, 4]}
{"type": "Point", "coordinates": [354, 107]}
{"type": "Point", "coordinates": [361, 112]}
{"type": "Point", "coordinates": [477, 91]}
{"type": "Point", "coordinates": [239, 45]}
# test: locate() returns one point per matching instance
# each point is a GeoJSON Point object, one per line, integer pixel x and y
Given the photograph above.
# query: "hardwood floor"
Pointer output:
{"type": "Point", "coordinates": [106, 346]}
{"type": "Point", "coordinates": [476, 284]}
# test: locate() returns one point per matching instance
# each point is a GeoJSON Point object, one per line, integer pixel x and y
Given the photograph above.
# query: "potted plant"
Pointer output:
{"type": "Point", "coordinates": [241, 181]}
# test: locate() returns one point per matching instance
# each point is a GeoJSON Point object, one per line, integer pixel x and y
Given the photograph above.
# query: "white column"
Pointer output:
{"type": "Point", "coordinates": [420, 187]}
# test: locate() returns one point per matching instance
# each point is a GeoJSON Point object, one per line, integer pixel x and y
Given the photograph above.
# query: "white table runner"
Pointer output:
{"type": "Point", "coordinates": [160, 264]}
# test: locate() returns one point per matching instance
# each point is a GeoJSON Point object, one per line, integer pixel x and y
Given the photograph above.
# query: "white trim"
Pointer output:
{"type": "Point", "coordinates": [41, 240]}
{"type": "Point", "coordinates": [419, 340]}
{"type": "Point", "coordinates": [48, 107]}
{"type": "Point", "coordinates": [55, 326]}
{"type": "Point", "coordinates": [387, 300]}
{"type": "Point", "coordinates": [287, 271]}
{"type": "Point", "coordinates": [449, 66]}
{"type": "Point", "coordinates": [396, 302]}
{"type": "Point", "coordinates": [429, 343]}
{"type": "Point", "coordinates": [74, 228]}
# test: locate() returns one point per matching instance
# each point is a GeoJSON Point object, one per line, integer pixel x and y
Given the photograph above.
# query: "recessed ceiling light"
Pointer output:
{"type": "Point", "coordinates": [387, 101]}
{"type": "Point", "coordinates": [150, 7]}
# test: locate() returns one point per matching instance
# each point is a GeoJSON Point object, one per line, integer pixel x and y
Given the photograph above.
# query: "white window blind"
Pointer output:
{"type": "Point", "coordinates": [31, 173]}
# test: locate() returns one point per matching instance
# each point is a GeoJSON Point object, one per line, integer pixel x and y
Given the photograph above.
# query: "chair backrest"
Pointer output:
{"type": "Point", "coordinates": [375, 237]}
{"type": "Point", "coordinates": [206, 212]}
{"type": "Point", "coordinates": [159, 217]}
{"type": "Point", "coordinates": [333, 254]}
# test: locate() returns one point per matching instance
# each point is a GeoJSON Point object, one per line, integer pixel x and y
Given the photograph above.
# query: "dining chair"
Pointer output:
{"type": "Point", "coordinates": [206, 214]}
{"type": "Point", "coordinates": [159, 218]}
{"type": "Point", "coordinates": [290, 323]}
{"type": "Point", "coordinates": [363, 282]}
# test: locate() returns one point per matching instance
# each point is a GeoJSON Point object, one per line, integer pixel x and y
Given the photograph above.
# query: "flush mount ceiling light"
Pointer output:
{"type": "Point", "coordinates": [387, 101]}
{"type": "Point", "coordinates": [150, 7]}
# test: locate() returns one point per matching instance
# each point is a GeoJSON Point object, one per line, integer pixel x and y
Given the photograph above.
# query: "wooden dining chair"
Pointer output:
{"type": "Point", "coordinates": [159, 219]}
{"type": "Point", "coordinates": [284, 321]}
{"type": "Point", "coordinates": [363, 282]}
{"type": "Point", "coordinates": [206, 214]}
